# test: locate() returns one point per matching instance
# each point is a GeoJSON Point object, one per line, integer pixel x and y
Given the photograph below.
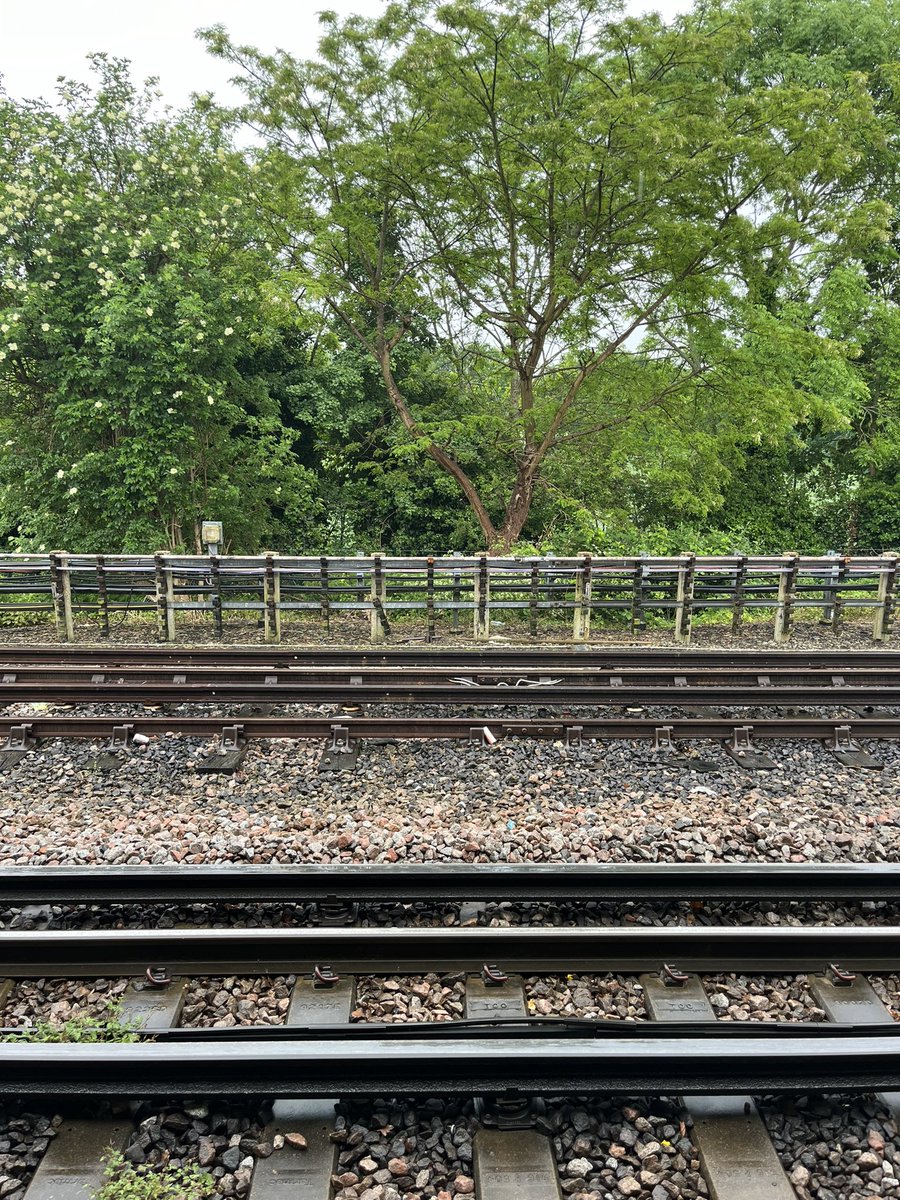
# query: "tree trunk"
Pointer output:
{"type": "Point", "coordinates": [517, 509]}
{"type": "Point", "coordinates": [444, 460]}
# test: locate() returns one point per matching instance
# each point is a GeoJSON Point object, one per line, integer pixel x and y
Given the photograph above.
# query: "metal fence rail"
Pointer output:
{"type": "Point", "coordinates": [77, 587]}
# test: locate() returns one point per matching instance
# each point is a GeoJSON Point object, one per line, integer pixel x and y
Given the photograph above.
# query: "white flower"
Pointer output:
{"type": "Point", "coordinates": [175, 395]}
{"type": "Point", "coordinates": [73, 491]}
{"type": "Point", "coordinates": [210, 400]}
{"type": "Point", "coordinates": [8, 442]}
{"type": "Point", "coordinates": [149, 311]}
{"type": "Point", "coordinates": [4, 328]}
{"type": "Point", "coordinates": [170, 410]}
{"type": "Point", "coordinates": [200, 337]}
{"type": "Point", "coordinates": [173, 470]}
{"type": "Point", "coordinates": [2, 355]}
{"type": "Point", "coordinates": [228, 330]}
{"type": "Point", "coordinates": [60, 474]}
{"type": "Point", "coordinates": [45, 327]}
{"type": "Point", "coordinates": [98, 404]}
{"type": "Point", "coordinates": [12, 346]}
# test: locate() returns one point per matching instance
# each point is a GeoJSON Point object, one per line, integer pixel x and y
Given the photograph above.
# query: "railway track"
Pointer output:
{"type": "Point", "coordinates": [106, 657]}
{"type": "Point", "coordinates": [501, 1055]}
{"type": "Point", "coordinates": [498, 1054]}
{"type": "Point", "coordinates": [860, 687]}
{"type": "Point", "coordinates": [413, 686]}
{"type": "Point", "coordinates": [348, 884]}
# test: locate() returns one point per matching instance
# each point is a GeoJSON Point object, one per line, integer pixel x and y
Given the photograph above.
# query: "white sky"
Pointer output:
{"type": "Point", "coordinates": [42, 39]}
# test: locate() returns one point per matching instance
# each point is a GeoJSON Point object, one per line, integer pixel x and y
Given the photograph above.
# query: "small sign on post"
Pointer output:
{"type": "Point", "coordinates": [211, 536]}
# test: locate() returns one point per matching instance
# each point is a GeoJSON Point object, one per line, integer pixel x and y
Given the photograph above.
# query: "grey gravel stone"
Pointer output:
{"type": "Point", "coordinates": [225, 1002]}
{"type": "Point", "coordinates": [24, 1138]}
{"type": "Point", "coordinates": [835, 1147]}
{"type": "Point", "coordinates": [607, 1149]}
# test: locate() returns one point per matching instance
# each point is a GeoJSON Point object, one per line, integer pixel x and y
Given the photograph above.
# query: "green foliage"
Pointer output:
{"type": "Point", "coordinates": [135, 297]}
{"type": "Point", "coordinates": [110, 1026]}
{"type": "Point", "coordinates": [624, 212]}
{"type": "Point", "coordinates": [167, 1182]}
{"type": "Point", "coordinates": [525, 273]}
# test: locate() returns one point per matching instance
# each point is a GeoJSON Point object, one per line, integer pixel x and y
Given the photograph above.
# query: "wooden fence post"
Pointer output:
{"type": "Point", "coordinates": [102, 597]}
{"type": "Point", "coordinates": [740, 579]}
{"type": "Point", "coordinates": [581, 625]}
{"type": "Point", "coordinates": [481, 623]}
{"type": "Point", "coordinates": [429, 599]}
{"type": "Point", "coordinates": [165, 600]}
{"type": "Point", "coordinates": [884, 613]}
{"type": "Point", "coordinates": [272, 601]}
{"type": "Point", "coordinates": [378, 596]}
{"type": "Point", "coordinates": [61, 588]}
{"type": "Point", "coordinates": [684, 599]}
{"type": "Point", "coordinates": [787, 580]}
{"type": "Point", "coordinates": [215, 578]}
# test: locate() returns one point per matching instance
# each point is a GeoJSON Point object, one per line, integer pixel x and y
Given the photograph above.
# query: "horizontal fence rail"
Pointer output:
{"type": "Point", "coordinates": [107, 589]}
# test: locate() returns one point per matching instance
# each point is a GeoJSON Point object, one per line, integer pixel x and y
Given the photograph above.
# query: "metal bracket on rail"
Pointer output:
{"type": "Point", "coordinates": [334, 913]}
{"type": "Point", "coordinates": [670, 755]}
{"type": "Point", "coordinates": [574, 736]}
{"type": "Point", "coordinates": [839, 977]}
{"type": "Point", "coordinates": [232, 748]}
{"type": "Point", "coordinates": [342, 752]}
{"type": "Point", "coordinates": [117, 751]}
{"type": "Point", "coordinates": [510, 1112]}
{"type": "Point", "coordinates": [847, 751]}
{"type": "Point", "coordinates": [157, 977]}
{"type": "Point", "coordinates": [672, 976]}
{"type": "Point", "coordinates": [19, 742]}
{"type": "Point", "coordinates": [324, 977]}
{"type": "Point", "coordinates": [493, 976]}
{"type": "Point", "coordinates": [662, 740]}
{"type": "Point", "coordinates": [744, 753]}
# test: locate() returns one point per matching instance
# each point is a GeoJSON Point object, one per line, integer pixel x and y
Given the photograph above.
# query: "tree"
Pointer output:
{"type": "Point", "coordinates": [137, 300]}
{"type": "Point", "coordinates": [847, 288]}
{"type": "Point", "coordinates": [547, 189]}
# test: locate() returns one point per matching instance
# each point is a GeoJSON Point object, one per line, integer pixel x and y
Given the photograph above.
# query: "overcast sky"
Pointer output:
{"type": "Point", "coordinates": [42, 39]}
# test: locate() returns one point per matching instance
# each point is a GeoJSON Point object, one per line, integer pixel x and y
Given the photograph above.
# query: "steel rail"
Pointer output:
{"type": "Point", "coordinates": [612, 1057]}
{"type": "Point", "coordinates": [436, 884]}
{"type": "Point", "coordinates": [515, 657]}
{"type": "Point", "coordinates": [634, 728]}
{"type": "Point", "coordinates": [467, 680]}
{"type": "Point", "coordinates": [376, 951]}
{"type": "Point", "coordinates": [341, 692]}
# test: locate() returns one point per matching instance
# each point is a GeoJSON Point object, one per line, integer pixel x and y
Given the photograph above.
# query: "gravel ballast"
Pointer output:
{"type": "Point", "coordinates": [56, 1001]}
{"type": "Point", "coordinates": [610, 1150]}
{"type": "Point", "coordinates": [602, 997]}
{"type": "Point", "coordinates": [224, 1002]}
{"type": "Point", "coordinates": [224, 1140]}
{"type": "Point", "coordinates": [410, 998]}
{"type": "Point", "coordinates": [834, 1147]}
{"type": "Point", "coordinates": [519, 801]}
{"type": "Point", "coordinates": [24, 1138]}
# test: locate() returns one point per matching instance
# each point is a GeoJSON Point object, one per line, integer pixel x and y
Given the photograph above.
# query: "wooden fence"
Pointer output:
{"type": "Point", "coordinates": [444, 591]}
